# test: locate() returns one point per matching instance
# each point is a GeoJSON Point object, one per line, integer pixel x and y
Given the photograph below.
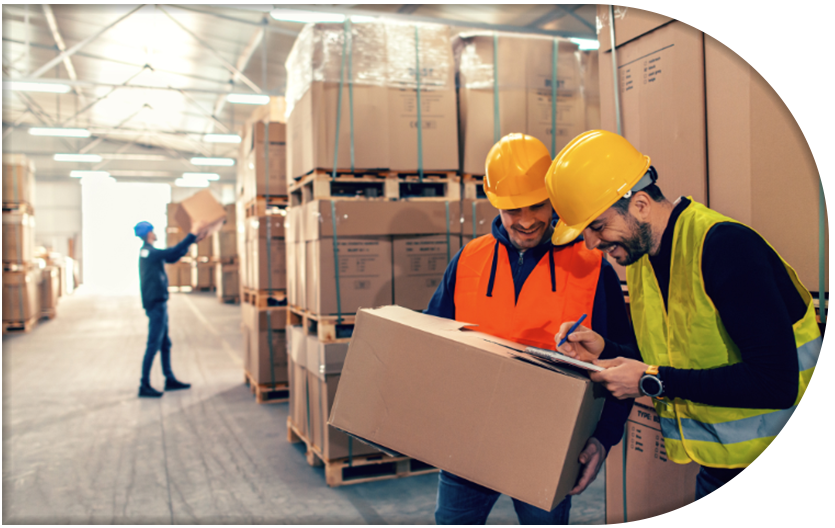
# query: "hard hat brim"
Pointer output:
{"type": "Point", "coordinates": [565, 234]}
{"type": "Point", "coordinates": [518, 201]}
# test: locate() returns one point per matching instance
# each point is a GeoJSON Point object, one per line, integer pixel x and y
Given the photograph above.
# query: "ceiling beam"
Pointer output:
{"type": "Point", "coordinates": [571, 13]}
{"type": "Point", "coordinates": [241, 64]}
{"type": "Point", "coordinates": [59, 41]}
{"type": "Point", "coordinates": [271, 28]}
{"type": "Point", "coordinates": [103, 97]}
{"type": "Point", "coordinates": [69, 52]}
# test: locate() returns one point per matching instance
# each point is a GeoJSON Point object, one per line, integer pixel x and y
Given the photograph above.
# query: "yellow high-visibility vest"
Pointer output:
{"type": "Point", "coordinates": [689, 334]}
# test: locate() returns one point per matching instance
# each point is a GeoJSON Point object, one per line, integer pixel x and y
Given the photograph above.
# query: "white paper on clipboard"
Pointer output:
{"type": "Point", "coordinates": [558, 357]}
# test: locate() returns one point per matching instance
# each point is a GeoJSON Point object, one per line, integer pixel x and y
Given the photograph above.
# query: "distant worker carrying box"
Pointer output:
{"type": "Point", "coordinates": [154, 285]}
{"type": "Point", "coordinates": [727, 336]}
{"type": "Point", "coordinates": [515, 284]}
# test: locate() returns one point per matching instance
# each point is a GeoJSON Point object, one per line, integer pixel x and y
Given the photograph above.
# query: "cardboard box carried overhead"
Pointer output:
{"type": "Point", "coordinates": [762, 172]}
{"type": "Point", "coordinates": [460, 400]}
{"type": "Point", "coordinates": [200, 206]}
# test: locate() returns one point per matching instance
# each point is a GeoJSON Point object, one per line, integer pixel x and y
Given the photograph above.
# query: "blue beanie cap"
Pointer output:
{"type": "Point", "coordinates": [142, 229]}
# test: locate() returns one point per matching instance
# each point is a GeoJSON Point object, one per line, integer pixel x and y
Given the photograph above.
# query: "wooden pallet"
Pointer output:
{"type": "Point", "coordinates": [358, 469]}
{"type": "Point", "coordinates": [230, 299]}
{"type": "Point", "coordinates": [264, 299]}
{"type": "Point", "coordinates": [49, 314]}
{"type": "Point", "coordinates": [179, 289]}
{"type": "Point", "coordinates": [261, 205]}
{"type": "Point", "coordinates": [375, 185]}
{"type": "Point", "coordinates": [15, 207]}
{"type": "Point", "coordinates": [267, 392]}
{"type": "Point", "coordinates": [20, 326]}
{"type": "Point", "coordinates": [473, 187]}
{"type": "Point", "coordinates": [328, 328]}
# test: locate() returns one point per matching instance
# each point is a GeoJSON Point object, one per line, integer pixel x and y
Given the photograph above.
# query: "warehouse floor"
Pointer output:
{"type": "Point", "coordinates": [80, 447]}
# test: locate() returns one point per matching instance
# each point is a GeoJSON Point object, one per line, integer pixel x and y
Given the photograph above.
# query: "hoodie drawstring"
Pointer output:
{"type": "Point", "coordinates": [553, 270]}
{"type": "Point", "coordinates": [493, 268]}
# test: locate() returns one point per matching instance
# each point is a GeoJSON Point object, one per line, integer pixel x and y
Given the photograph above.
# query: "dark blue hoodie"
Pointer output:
{"type": "Point", "coordinates": [609, 317]}
{"type": "Point", "coordinates": [152, 278]}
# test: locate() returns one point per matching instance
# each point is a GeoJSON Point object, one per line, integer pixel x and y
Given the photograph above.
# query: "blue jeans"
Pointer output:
{"type": "Point", "coordinates": [463, 502]}
{"type": "Point", "coordinates": [720, 504]}
{"type": "Point", "coordinates": [157, 340]}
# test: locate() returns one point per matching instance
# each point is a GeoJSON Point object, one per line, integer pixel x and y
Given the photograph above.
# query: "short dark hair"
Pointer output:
{"type": "Point", "coordinates": [622, 205]}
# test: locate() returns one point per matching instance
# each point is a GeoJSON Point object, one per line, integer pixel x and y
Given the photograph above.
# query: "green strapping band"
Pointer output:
{"type": "Point", "coordinates": [448, 256]}
{"type": "Point", "coordinates": [497, 125]}
{"type": "Point", "coordinates": [339, 102]}
{"type": "Point", "coordinates": [419, 116]}
{"type": "Point", "coordinates": [823, 147]}
{"type": "Point", "coordinates": [336, 264]}
{"type": "Point", "coordinates": [350, 36]}
{"type": "Point", "coordinates": [554, 99]}
{"type": "Point", "coordinates": [475, 222]}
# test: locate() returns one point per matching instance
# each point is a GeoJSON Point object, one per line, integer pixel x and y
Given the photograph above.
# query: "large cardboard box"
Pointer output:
{"type": "Point", "coordinates": [50, 289]}
{"type": "Point", "coordinates": [365, 274]}
{"type": "Point", "coordinates": [203, 250]}
{"type": "Point", "coordinates": [377, 218]}
{"type": "Point", "coordinates": [258, 182]}
{"type": "Point", "coordinates": [762, 172]}
{"type": "Point", "coordinates": [661, 83]}
{"type": "Point", "coordinates": [264, 274]}
{"type": "Point", "coordinates": [654, 484]}
{"type": "Point", "coordinates": [226, 281]}
{"type": "Point", "coordinates": [179, 274]}
{"type": "Point", "coordinates": [324, 359]}
{"type": "Point", "coordinates": [18, 237]}
{"type": "Point", "coordinates": [264, 329]}
{"type": "Point", "coordinates": [331, 442]}
{"type": "Point", "coordinates": [297, 354]}
{"type": "Point", "coordinates": [459, 400]}
{"type": "Point", "coordinates": [524, 66]}
{"type": "Point", "coordinates": [200, 206]}
{"type": "Point", "coordinates": [241, 241]}
{"type": "Point", "coordinates": [630, 23]}
{"type": "Point", "coordinates": [173, 236]}
{"type": "Point", "coordinates": [18, 179]}
{"type": "Point", "coordinates": [202, 275]}
{"type": "Point", "coordinates": [225, 245]}
{"type": "Point", "coordinates": [477, 217]}
{"type": "Point", "coordinates": [419, 264]}
{"type": "Point", "coordinates": [21, 295]}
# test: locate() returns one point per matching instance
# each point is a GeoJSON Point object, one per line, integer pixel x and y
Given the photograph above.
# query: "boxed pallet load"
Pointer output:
{"type": "Point", "coordinates": [50, 289]}
{"type": "Point", "coordinates": [673, 485]}
{"type": "Point", "coordinates": [463, 401]}
{"type": "Point", "coordinates": [18, 237]}
{"type": "Point", "coordinates": [521, 70]}
{"type": "Point", "coordinates": [662, 100]}
{"type": "Point", "coordinates": [202, 275]}
{"type": "Point", "coordinates": [257, 180]}
{"type": "Point", "coordinates": [21, 295]}
{"type": "Point", "coordinates": [376, 124]}
{"type": "Point", "coordinates": [199, 206]}
{"type": "Point", "coordinates": [202, 251]}
{"type": "Point", "coordinates": [297, 371]}
{"type": "Point", "coordinates": [266, 252]}
{"type": "Point", "coordinates": [18, 179]}
{"type": "Point", "coordinates": [265, 343]}
{"type": "Point", "coordinates": [227, 281]}
{"type": "Point", "coordinates": [225, 241]}
{"type": "Point", "coordinates": [761, 170]}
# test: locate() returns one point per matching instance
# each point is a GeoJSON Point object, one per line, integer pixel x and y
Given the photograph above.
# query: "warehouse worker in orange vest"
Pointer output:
{"type": "Point", "coordinates": [727, 334]}
{"type": "Point", "coordinates": [516, 285]}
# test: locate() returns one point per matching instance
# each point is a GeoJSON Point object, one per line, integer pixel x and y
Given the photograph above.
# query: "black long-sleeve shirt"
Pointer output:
{"type": "Point", "coordinates": [153, 281]}
{"type": "Point", "coordinates": [759, 305]}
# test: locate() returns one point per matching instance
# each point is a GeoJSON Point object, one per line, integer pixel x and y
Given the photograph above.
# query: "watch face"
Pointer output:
{"type": "Point", "coordinates": [650, 386]}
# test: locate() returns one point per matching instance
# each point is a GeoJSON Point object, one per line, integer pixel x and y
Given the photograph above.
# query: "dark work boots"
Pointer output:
{"type": "Point", "coordinates": [172, 384]}
{"type": "Point", "coordinates": [146, 391]}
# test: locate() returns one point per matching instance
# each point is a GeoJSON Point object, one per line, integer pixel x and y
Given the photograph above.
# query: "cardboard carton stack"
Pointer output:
{"type": "Point", "coordinates": [21, 277]}
{"type": "Point", "coordinates": [179, 273]}
{"type": "Point", "coordinates": [225, 258]}
{"type": "Point", "coordinates": [195, 272]}
{"type": "Point", "coordinates": [725, 100]}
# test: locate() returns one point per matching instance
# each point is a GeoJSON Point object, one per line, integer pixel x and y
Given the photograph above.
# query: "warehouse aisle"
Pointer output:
{"type": "Point", "coordinates": [79, 446]}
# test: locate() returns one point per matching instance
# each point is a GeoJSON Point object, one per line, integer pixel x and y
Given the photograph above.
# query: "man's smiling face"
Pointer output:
{"type": "Point", "coordinates": [527, 225]}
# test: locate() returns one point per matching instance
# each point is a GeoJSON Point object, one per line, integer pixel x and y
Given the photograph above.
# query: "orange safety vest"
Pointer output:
{"type": "Point", "coordinates": [560, 288]}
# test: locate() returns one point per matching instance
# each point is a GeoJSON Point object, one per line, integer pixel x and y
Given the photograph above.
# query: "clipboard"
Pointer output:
{"type": "Point", "coordinates": [558, 357]}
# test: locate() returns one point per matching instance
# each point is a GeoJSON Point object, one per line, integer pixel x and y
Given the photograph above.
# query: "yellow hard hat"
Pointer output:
{"type": "Point", "coordinates": [592, 172]}
{"type": "Point", "coordinates": [515, 172]}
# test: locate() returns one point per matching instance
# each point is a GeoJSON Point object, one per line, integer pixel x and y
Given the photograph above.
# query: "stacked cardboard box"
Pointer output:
{"type": "Point", "coordinates": [195, 271]}
{"type": "Point", "coordinates": [265, 150]}
{"type": "Point", "coordinates": [50, 290]}
{"type": "Point", "coordinates": [265, 344]}
{"type": "Point", "coordinates": [225, 258]}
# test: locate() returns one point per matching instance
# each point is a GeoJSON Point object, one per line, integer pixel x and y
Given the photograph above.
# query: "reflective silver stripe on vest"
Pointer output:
{"type": "Point", "coordinates": [751, 428]}
{"type": "Point", "coordinates": [807, 355]}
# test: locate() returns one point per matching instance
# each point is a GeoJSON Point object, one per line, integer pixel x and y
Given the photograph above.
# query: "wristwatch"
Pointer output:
{"type": "Point", "coordinates": [651, 384]}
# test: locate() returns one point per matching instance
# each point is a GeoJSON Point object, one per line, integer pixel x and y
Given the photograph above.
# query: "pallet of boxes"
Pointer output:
{"type": "Point", "coordinates": [179, 273]}
{"type": "Point", "coordinates": [718, 133]}
{"type": "Point", "coordinates": [374, 211]}
{"type": "Point", "coordinates": [225, 259]}
{"type": "Point", "coordinates": [21, 275]}
{"type": "Point", "coordinates": [51, 286]}
{"type": "Point", "coordinates": [262, 202]}
{"type": "Point", "coordinates": [202, 271]}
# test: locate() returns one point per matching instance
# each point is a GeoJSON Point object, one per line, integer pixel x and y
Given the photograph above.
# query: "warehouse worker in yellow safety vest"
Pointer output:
{"type": "Point", "coordinates": [727, 334]}
{"type": "Point", "coordinates": [515, 284]}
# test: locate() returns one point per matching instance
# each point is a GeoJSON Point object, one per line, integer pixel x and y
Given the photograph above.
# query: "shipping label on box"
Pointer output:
{"type": "Point", "coordinates": [419, 266]}
{"type": "Point", "coordinates": [364, 274]}
{"type": "Point", "coordinates": [462, 401]}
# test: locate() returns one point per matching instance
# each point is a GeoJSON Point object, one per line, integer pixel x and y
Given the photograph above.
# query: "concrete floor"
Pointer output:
{"type": "Point", "coordinates": [80, 447]}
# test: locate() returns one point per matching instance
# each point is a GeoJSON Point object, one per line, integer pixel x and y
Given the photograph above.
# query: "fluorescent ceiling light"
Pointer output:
{"type": "Point", "coordinates": [586, 44]}
{"type": "Point", "coordinates": [134, 157]}
{"type": "Point", "coordinates": [97, 179]}
{"type": "Point", "coordinates": [86, 173]}
{"type": "Point", "coordinates": [251, 99]}
{"type": "Point", "coordinates": [222, 138]}
{"type": "Point", "coordinates": [182, 182]}
{"type": "Point", "coordinates": [131, 173]}
{"type": "Point", "coordinates": [60, 132]}
{"type": "Point", "coordinates": [36, 87]}
{"type": "Point", "coordinates": [305, 17]}
{"type": "Point", "coordinates": [211, 176]}
{"type": "Point", "coordinates": [219, 162]}
{"type": "Point", "coordinates": [88, 158]}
